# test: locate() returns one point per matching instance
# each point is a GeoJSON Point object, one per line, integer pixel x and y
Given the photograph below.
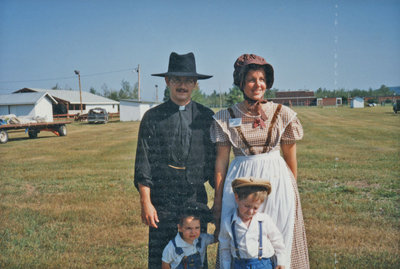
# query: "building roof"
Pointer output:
{"type": "Point", "coordinates": [73, 97]}
{"type": "Point", "coordinates": [294, 94]}
{"type": "Point", "coordinates": [26, 98]}
{"type": "Point", "coordinates": [139, 102]}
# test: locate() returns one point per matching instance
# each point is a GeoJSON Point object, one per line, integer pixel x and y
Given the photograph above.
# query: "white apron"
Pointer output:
{"type": "Point", "coordinates": [280, 204]}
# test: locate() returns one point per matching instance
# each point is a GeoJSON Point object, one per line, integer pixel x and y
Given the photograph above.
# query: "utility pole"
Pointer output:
{"type": "Point", "coordinates": [348, 99]}
{"type": "Point", "coordinates": [220, 97]}
{"type": "Point", "coordinates": [156, 93]}
{"type": "Point", "coordinates": [138, 71]}
{"type": "Point", "coordinates": [80, 88]}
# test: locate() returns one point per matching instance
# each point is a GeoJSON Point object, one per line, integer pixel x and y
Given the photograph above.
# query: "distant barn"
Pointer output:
{"type": "Point", "coordinates": [32, 105]}
{"type": "Point", "coordinates": [69, 101]}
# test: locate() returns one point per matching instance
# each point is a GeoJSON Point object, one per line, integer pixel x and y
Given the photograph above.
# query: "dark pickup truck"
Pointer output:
{"type": "Point", "coordinates": [97, 115]}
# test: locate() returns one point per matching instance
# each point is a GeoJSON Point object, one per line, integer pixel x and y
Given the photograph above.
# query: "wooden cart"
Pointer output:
{"type": "Point", "coordinates": [58, 128]}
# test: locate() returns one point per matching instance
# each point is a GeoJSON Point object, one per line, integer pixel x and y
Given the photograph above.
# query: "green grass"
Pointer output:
{"type": "Point", "coordinates": [69, 202]}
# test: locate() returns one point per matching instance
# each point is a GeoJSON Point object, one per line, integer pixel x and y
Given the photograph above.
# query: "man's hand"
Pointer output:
{"type": "Point", "coordinates": [280, 267]}
{"type": "Point", "coordinates": [149, 214]}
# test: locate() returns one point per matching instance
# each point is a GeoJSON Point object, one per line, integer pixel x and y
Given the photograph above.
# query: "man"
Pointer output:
{"type": "Point", "coordinates": [174, 156]}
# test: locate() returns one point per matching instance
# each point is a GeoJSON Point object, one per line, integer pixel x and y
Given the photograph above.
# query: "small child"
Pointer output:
{"type": "Point", "coordinates": [188, 248]}
{"type": "Point", "coordinates": [251, 238]}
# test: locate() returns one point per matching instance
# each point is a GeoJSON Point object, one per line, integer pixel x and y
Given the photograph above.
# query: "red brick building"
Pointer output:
{"type": "Point", "coordinates": [295, 98]}
{"type": "Point", "coordinates": [330, 101]}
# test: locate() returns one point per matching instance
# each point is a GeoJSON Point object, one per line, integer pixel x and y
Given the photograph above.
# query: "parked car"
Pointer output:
{"type": "Point", "coordinates": [396, 107]}
{"type": "Point", "coordinates": [97, 115]}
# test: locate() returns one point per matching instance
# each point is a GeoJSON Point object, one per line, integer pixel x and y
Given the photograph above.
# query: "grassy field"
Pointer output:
{"type": "Point", "coordinates": [69, 202]}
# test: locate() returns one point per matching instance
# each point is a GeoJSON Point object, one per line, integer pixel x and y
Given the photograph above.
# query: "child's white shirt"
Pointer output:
{"type": "Point", "coordinates": [248, 239]}
{"type": "Point", "coordinates": [173, 259]}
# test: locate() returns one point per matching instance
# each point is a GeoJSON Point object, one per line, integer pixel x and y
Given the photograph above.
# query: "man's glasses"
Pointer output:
{"type": "Point", "coordinates": [179, 80]}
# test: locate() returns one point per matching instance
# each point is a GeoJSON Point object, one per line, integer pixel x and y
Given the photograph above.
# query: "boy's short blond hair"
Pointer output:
{"type": "Point", "coordinates": [258, 188]}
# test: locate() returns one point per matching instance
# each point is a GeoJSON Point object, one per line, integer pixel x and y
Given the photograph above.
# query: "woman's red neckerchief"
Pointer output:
{"type": "Point", "coordinates": [255, 106]}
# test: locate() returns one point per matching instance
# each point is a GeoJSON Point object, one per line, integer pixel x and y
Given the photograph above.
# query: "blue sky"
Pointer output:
{"type": "Point", "coordinates": [311, 43]}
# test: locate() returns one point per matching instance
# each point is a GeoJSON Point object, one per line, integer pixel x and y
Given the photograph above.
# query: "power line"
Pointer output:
{"type": "Point", "coordinates": [33, 80]}
{"type": "Point", "coordinates": [71, 77]}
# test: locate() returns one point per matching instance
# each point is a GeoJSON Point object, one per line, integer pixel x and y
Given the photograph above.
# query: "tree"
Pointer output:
{"type": "Point", "coordinates": [384, 91]}
{"type": "Point", "coordinates": [166, 94]}
{"type": "Point", "coordinates": [270, 93]}
{"type": "Point", "coordinates": [234, 96]}
{"type": "Point", "coordinates": [56, 87]}
{"type": "Point", "coordinates": [135, 94]}
{"type": "Point", "coordinates": [213, 99]}
{"type": "Point", "coordinates": [197, 95]}
{"type": "Point", "coordinates": [106, 91]}
{"type": "Point", "coordinates": [92, 90]}
{"type": "Point", "coordinates": [126, 91]}
{"type": "Point", "coordinates": [111, 94]}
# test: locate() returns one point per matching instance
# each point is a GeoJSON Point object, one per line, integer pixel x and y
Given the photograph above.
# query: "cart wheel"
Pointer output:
{"type": "Point", "coordinates": [62, 130]}
{"type": "Point", "coordinates": [3, 136]}
{"type": "Point", "coordinates": [32, 133]}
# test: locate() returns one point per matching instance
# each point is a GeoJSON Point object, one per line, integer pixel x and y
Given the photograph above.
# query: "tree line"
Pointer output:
{"type": "Point", "coordinates": [234, 95]}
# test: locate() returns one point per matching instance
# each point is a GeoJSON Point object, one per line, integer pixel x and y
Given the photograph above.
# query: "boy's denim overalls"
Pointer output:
{"type": "Point", "coordinates": [189, 262]}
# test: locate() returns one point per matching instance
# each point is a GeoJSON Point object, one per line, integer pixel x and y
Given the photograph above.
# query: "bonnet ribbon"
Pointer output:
{"type": "Point", "coordinates": [255, 107]}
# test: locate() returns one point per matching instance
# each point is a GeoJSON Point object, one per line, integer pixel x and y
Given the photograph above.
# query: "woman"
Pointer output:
{"type": "Point", "coordinates": [257, 130]}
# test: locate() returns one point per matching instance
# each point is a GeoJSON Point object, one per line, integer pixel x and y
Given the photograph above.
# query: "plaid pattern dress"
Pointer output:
{"type": "Point", "coordinates": [264, 161]}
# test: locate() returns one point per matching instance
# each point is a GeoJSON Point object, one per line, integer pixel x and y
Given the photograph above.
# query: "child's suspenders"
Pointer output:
{"type": "Point", "coordinates": [179, 250]}
{"type": "Point", "coordinates": [191, 261]}
{"type": "Point", "coordinates": [259, 240]}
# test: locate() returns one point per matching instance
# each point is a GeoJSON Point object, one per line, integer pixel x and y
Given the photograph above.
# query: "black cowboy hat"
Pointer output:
{"type": "Point", "coordinates": [182, 66]}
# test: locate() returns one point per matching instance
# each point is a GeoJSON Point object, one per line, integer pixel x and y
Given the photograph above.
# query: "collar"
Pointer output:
{"type": "Point", "coordinates": [182, 243]}
{"type": "Point", "coordinates": [235, 217]}
{"type": "Point", "coordinates": [178, 107]}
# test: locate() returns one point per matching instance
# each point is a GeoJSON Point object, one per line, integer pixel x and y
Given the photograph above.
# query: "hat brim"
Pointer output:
{"type": "Point", "coordinates": [248, 182]}
{"type": "Point", "coordinates": [265, 185]}
{"type": "Point", "coordinates": [182, 74]}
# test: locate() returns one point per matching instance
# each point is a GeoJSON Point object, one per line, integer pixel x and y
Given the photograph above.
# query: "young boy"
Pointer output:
{"type": "Point", "coordinates": [251, 238]}
{"type": "Point", "coordinates": [189, 247]}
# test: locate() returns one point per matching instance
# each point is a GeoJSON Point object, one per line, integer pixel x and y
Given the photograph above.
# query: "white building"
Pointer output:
{"type": "Point", "coordinates": [71, 100]}
{"type": "Point", "coordinates": [33, 104]}
{"type": "Point", "coordinates": [357, 102]}
{"type": "Point", "coordinates": [133, 110]}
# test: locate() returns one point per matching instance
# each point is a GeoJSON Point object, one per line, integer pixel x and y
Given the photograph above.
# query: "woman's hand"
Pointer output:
{"type": "Point", "coordinates": [217, 219]}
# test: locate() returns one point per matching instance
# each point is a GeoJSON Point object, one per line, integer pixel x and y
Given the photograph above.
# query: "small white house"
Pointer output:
{"type": "Point", "coordinates": [133, 110]}
{"type": "Point", "coordinates": [32, 104]}
{"type": "Point", "coordinates": [357, 102]}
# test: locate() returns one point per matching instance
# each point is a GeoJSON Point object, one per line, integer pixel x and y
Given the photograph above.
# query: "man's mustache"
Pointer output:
{"type": "Point", "coordinates": [182, 90]}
